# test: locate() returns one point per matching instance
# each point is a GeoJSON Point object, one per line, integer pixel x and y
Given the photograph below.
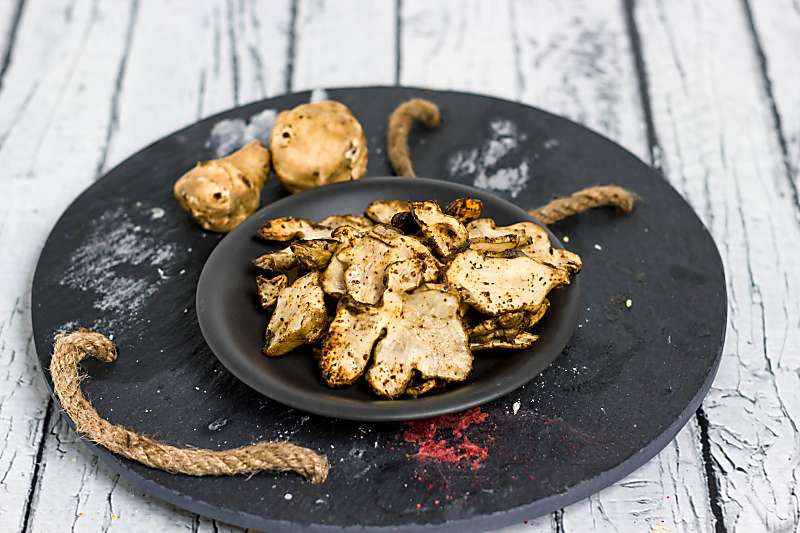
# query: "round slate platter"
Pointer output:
{"type": "Point", "coordinates": [124, 259]}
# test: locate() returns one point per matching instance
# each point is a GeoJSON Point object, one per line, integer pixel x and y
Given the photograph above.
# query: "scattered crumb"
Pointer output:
{"type": "Point", "coordinates": [549, 144]}
{"type": "Point", "coordinates": [156, 213]}
{"type": "Point", "coordinates": [287, 496]}
{"type": "Point", "coordinates": [515, 407]}
{"type": "Point", "coordinates": [218, 424]}
{"type": "Point", "coordinates": [114, 516]}
{"type": "Point", "coordinates": [565, 238]}
{"type": "Point", "coordinates": [598, 247]}
{"type": "Point", "coordinates": [628, 303]}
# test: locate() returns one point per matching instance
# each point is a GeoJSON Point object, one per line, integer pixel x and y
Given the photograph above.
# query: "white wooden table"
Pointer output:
{"type": "Point", "coordinates": [706, 91]}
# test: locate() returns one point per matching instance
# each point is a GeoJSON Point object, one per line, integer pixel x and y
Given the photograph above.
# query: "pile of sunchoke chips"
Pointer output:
{"type": "Point", "coordinates": [405, 293]}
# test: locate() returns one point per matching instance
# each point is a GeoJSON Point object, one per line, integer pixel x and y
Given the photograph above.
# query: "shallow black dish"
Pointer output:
{"type": "Point", "coordinates": [233, 324]}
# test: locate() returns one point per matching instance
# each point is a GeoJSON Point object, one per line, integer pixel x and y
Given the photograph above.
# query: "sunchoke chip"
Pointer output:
{"type": "Point", "coordinates": [316, 246]}
{"type": "Point", "coordinates": [418, 331]}
{"type": "Point", "coordinates": [528, 238]}
{"type": "Point", "coordinates": [317, 144]}
{"type": "Point", "coordinates": [412, 303]}
{"type": "Point", "coordinates": [494, 284]}
{"type": "Point", "coordinates": [220, 194]}
{"type": "Point", "coordinates": [300, 316]}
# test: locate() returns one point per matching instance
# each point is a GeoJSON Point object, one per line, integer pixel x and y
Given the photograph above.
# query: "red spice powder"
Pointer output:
{"type": "Point", "coordinates": [453, 450]}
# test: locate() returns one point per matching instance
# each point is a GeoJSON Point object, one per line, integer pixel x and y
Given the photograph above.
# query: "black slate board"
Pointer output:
{"type": "Point", "coordinates": [125, 259]}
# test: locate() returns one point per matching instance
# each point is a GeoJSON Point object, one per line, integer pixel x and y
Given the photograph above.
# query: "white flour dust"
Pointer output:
{"type": "Point", "coordinates": [66, 327]}
{"type": "Point", "coordinates": [120, 262]}
{"type": "Point", "coordinates": [318, 95]}
{"type": "Point", "coordinates": [496, 164]}
{"type": "Point", "coordinates": [230, 135]}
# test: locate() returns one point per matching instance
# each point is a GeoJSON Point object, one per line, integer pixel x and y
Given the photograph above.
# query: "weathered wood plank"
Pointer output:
{"type": "Point", "coordinates": [776, 27]}
{"type": "Point", "coordinates": [721, 150]}
{"type": "Point", "coordinates": [343, 43]}
{"type": "Point", "coordinates": [573, 59]}
{"type": "Point", "coordinates": [10, 15]}
{"type": "Point", "coordinates": [465, 45]}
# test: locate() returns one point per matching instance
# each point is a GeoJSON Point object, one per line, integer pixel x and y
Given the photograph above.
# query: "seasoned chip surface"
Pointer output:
{"type": "Point", "coordinates": [269, 289]}
{"type": "Point", "coordinates": [428, 337]}
{"type": "Point", "coordinates": [300, 316]}
{"type": "Point", "coordinates": [443, 233]}
{"type": "Point", "coordinates": [382, 211]}
{"type": "Point", "coordinates": [531, 239]}
{"type": "Point", "coordinates": [495, 284]}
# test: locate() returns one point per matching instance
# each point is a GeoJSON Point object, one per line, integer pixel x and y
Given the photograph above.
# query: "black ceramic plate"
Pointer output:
{"type": "Point", "coordinates": [233, 324]}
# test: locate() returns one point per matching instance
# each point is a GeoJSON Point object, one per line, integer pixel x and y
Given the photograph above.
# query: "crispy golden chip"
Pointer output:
{"type": "Point", "coordinates": [300, 316]}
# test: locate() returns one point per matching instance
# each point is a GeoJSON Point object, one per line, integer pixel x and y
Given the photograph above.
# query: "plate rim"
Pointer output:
{"type": "Point", "coordinates": [391, 410]}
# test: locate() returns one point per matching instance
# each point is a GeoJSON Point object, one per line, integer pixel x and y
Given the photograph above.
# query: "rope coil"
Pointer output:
{"type": "Point", "coordinates": [70, 349]}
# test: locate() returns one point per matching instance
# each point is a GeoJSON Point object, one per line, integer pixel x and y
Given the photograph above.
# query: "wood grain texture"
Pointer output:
{"type": "Point", "coordinates": [776, 33]}
{"type": "Point", "coordinates": [721, 150]}
{"type": "Point", "coordinates": [343, 43]}
{"type": "Point", "coordinates": [464, 45]}
{"type": "Point", "coordinates": [573, 59]}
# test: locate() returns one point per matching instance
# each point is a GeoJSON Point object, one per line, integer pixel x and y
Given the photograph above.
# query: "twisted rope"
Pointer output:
{"type": "Point", "coordinates": [583, 200]}
{"type": "Point", "coordinates": [70, 349]}
{"type": "Point", "coordinates": [400, 121]}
